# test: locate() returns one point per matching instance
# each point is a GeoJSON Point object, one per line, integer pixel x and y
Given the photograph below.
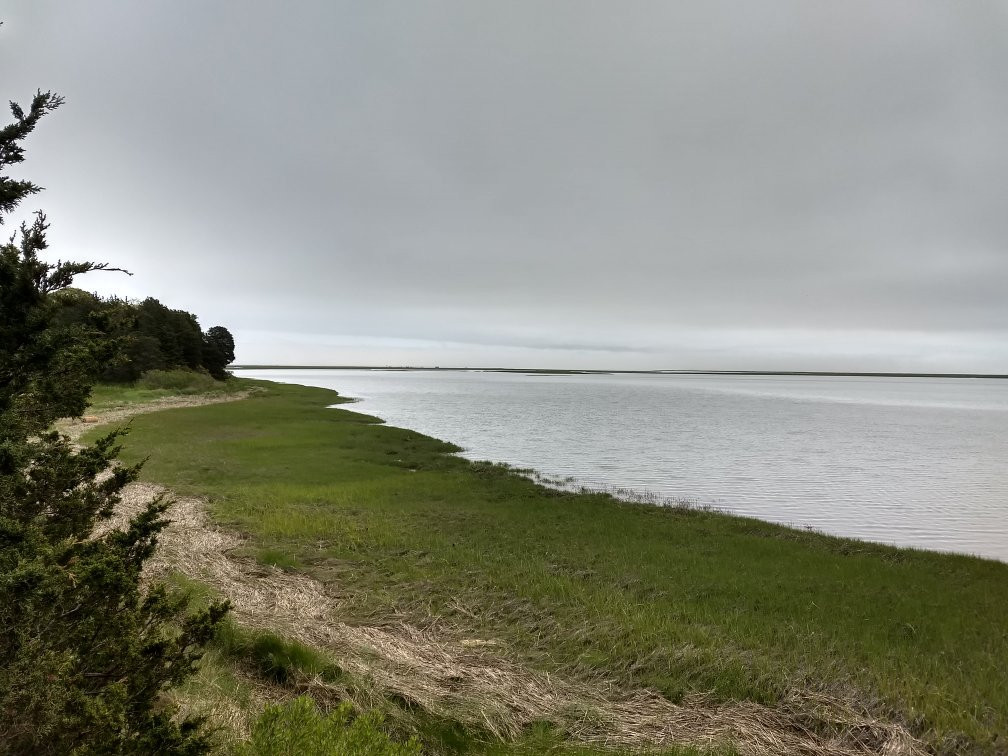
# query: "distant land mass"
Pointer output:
{"type": "Point", "coordinates": [550, 371]}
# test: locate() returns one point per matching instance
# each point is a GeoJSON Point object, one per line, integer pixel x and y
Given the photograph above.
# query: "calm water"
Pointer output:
{"type": "Point", "coordinates": [910, 461]}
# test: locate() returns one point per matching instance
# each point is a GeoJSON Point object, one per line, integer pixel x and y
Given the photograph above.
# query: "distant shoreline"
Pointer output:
{"type": "Point", "coordinates": [548, 371]}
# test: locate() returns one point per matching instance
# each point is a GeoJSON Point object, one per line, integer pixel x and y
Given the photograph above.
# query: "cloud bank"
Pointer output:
{"type": "Point", "coordinates": [574, 184]}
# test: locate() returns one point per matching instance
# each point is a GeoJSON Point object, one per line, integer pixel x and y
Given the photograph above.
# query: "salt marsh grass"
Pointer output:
{"type": "Point", "coordinates": [672, 599]}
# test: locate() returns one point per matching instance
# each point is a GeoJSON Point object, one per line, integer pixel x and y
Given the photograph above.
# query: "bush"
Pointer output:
{"type": "Point", "coordinates": [299, 727]}
{"type": "Point", "coordinates": [177, 380]}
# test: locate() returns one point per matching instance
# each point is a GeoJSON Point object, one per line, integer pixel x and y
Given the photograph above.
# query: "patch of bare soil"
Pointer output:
{"type": "Point", "coordinates": [473, 681]}
{"type": "Point", "coordinates": [78, 426]}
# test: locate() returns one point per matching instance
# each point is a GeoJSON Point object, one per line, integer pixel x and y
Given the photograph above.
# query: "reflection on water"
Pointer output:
{"type": "Point", "coordinates": [912, 461]}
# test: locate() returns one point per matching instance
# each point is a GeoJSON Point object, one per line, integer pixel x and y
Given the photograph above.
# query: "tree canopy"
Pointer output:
{"type": "Point", "coordinates": [218, 350]}
{"type": "Point", "coordinates": [152, 336]}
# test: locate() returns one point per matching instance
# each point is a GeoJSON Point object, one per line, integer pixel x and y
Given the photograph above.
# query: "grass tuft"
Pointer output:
{"type": "Point", "coordinates": [299, 727]}
{"type": "Point", "coordinates": [273, 657]}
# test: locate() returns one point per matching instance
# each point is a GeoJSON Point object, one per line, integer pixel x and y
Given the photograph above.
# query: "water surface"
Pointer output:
{"type": "Point", "coordinates": [910, 461]}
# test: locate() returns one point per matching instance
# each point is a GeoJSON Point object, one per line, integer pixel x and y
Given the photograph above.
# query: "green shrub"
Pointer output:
{"type": "Point", "coordinates": [298, 727]}
{"type": "Point", "coordinates": [177, 380]}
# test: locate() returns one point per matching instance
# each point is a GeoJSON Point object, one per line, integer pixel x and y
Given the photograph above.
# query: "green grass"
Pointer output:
{"type": "Point", "coordinates": [298, 727]}
{"type": "Point", "coordinates": [678, 600]}
{"type": "Point", "coordinates": [274, 658]}
{"type": "Point", "coordinates": [178, 379]}
{"type": "Point", "coordinates": [223, 679]}
{"type": "Point", "coordinates": [159, 384]}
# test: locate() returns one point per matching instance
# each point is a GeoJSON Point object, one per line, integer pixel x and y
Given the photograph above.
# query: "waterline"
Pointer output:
{"type": "Point", "coordinates": [907, 461]}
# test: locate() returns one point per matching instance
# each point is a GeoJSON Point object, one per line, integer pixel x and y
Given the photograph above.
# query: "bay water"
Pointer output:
{"type": "Point", "coordinates": [908, 461]}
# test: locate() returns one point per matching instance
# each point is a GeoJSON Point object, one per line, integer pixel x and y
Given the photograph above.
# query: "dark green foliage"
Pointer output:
{"type": "Point", "coordinates": [218, 351]}
{"type": "Point", "coordinates": [113, 317]}
{"type": "Point", "coordinates": [37, 355]}
{"type": "Point", "coordinates": [158, 338]}
{"type": "Point", "coordinates": [178, 334]}
{"type": "Point", "coordinates": [12, 191]}
{"type": "Point", "coordinates": [221, 338]}
{"type": "Point", "coordinates": [84, 654]}
{"type": "Point", "coordinates": [150, 335]}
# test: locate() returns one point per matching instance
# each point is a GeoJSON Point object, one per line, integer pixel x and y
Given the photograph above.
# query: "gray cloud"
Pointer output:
{"type": "Point", "coordinates": [720, 184]}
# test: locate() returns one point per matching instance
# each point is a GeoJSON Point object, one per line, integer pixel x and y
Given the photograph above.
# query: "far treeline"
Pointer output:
{"type": "Point", "coordinates": [152, 336]}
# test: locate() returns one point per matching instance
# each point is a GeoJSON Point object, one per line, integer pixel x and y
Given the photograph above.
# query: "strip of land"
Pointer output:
{"type": "Point", "coordinates": [725, 625]}
{"type": "Point", "coordinates": [562, 371]}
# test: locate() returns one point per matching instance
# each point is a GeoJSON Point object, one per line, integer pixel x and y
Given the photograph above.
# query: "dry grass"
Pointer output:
{"type": "Point", "coordinates": [472, 681]}
{"type": "Point", "coordinates": [75, 427]}
{"type": "Point", "coordinates": [230, 699]}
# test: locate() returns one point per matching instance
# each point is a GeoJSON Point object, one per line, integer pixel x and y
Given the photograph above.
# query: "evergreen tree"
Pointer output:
{"type": "Point", "coordinates": [221, 337]}
{"type": "Point", "coordinates": [85, 654]}
{"type": "Point", "coordinates": [218, 351]}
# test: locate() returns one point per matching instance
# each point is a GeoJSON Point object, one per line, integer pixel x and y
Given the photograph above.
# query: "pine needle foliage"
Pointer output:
{"type": "Point", "coordinates": [85, 651]}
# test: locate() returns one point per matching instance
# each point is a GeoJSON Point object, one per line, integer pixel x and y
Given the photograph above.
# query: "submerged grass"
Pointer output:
{"type": "Point", "coordinates": [679, 600]}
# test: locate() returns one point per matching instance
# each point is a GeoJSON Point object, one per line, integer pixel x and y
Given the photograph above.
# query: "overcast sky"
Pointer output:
{"type": "Point", "coordinates": [742, 185]}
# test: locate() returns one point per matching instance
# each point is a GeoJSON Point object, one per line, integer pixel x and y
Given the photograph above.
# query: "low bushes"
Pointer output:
{"type": "Point", "coordinates": [180, 379]}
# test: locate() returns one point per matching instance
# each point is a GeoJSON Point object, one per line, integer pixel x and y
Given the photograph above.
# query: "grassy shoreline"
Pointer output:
{"type": "Point", "coordinates": [674, 600]}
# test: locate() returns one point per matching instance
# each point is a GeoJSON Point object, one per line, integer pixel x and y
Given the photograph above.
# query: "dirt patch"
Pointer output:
{"type": "Point", "coordinates": [471, 680]}
{"type": "Point", "coordinates": [77, 427]}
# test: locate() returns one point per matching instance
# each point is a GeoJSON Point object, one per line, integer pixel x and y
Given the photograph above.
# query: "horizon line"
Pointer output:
{"type": "Point", "coordinates": [600, 371]}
